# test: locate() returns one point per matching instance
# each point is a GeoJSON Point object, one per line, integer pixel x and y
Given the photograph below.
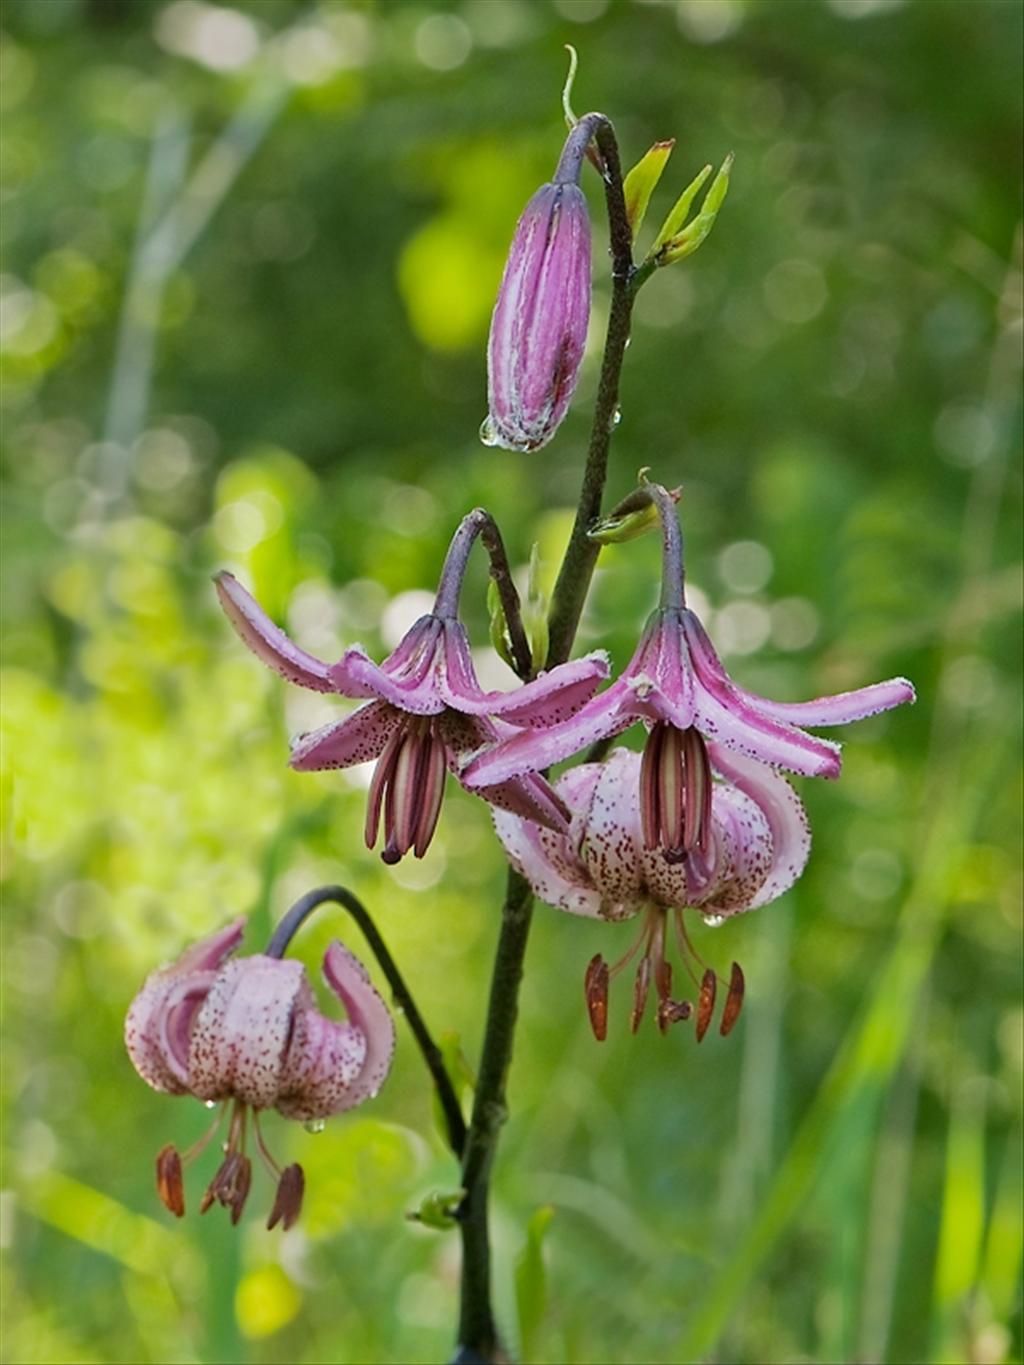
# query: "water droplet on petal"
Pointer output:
{"type": "Point", "coordinates": [489, 432]}
{"type": "Point", "coordinates": [714, 921]}
{"type": "Point", "coordinates": [315, 1125]}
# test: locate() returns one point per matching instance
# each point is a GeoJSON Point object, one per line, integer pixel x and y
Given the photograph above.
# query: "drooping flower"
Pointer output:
{"type": "Point", "coordinates": [246, 1033]}
{"type": "Point", "coordinates": [676, 685]}
{"type": "Point", "coordinates": [539, 324]}
{"type": "Point", "coordinates": [755, 846]}
{"type": "Point", "coordinates": [427, 711]}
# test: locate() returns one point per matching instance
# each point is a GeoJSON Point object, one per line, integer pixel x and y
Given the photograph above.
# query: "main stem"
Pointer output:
{"type": "Point", "coordinates": [479, 1340]}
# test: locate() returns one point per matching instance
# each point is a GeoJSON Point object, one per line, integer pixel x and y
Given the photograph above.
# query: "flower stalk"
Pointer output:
{"type": "Point", "coordinates": [478, 1334]}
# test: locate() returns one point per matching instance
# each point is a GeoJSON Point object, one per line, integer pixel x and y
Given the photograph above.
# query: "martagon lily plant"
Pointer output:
{"type": "Point", "coordinates": [700, 822]}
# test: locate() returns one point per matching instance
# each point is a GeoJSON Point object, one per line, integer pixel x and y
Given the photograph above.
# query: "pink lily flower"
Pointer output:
{"type": "Point", "coordinates": [427, 710]}
{"type": "Point", "coordinates": [539, 325]}
{"type": "Point", "coordinates": [247, 1033]}
{"type": "Point", "coordinates": [756, 846]}
{"type": "Point", "coordinates": [676, 685]}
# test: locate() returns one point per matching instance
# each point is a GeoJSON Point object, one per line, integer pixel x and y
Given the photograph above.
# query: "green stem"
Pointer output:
{"type": "Point", "coordinates": [479, 1339]}
{"type": "Point", "coordinates": [340, 895]}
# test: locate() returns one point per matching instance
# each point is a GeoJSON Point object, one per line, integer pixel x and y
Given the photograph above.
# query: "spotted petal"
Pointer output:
{"type": "Point", "coordinates": [784, 813]}
{"type": "Point", "coordinates": [358, 738]}
{"type": "Point", "coordinates": [160, 1018]}
{"type": "Point", "coordinates": [242, 1032]}
{"type": "Point", "coordinates": [267, 641]}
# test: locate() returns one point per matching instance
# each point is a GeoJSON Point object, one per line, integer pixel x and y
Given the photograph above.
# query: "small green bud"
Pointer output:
{"type": "Point", "coordinates": [678, 238]}
{"type": "Point", "coordinates": [438, 1210]}
{"type": "Point", "coordinates": [641, 182]}
{"type": "Point", "coordinates": [634, 516]}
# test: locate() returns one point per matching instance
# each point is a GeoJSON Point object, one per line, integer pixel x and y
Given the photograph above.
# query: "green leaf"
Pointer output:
{"type": "Point", "coordinates": [437, 1209]}
{"type": "Point", "coordinates": [680, 210]}
{"type": "Point", "coordinates": [499, 625]}
{"type": "Point", "coordinates": [641, 181]}
{"type": "Point", "coordinates": [535, 612]}
{"type": "Point", "coordinates": [531, 1281]}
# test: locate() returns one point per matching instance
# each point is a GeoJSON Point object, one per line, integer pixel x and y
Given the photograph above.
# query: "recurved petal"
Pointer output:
{"type": "Point", "coordinates": [735, 719]}
{"type": "Point", "coordinates": [356, 739]}
{"type": "Point", "coordinates": [407, 678]}
{"type": "Point", "coordinates": [784, 812]}
{"type": "Point", "coordinates": [267, 641]}
{"type": "Point", "coordinates": [554, 873]}
{"type": "Point", "coordinates": [147, 1028]}
{"type": "Point", "coordinates": [743, 853]}
{"type": "Point", "coordinates": [533, 750]}
{"type": "Point", "coordinates": [839, 709]}
{"type": "Point", "coordinates": [548, 699]}
{"type": "Point", "coordinates": [368, 1015]}
{"type": "Point", "coordinates": [241, 1034]}
{"type": "Point", "coordinates": [324, 1058]}
{"type": "Point", "coordinates": [611, 839]}
{"type": "Point", "coordinates": [532, 797]}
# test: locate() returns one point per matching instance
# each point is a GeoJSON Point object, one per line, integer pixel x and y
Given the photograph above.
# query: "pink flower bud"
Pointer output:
{"type": "Point", "coordinates": [539, 325]}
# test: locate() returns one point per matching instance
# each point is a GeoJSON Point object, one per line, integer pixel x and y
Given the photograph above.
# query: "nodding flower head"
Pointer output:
{"type": "Point", "coordinates": [748, 842]}
{"type": "Point", "coordinates": [244, 1034]}
{"type": "Point", "coordinates": [426, 710]}
{"type": "Point", "coordinates": [676, 686]}
{"type": "Point", "coordinates": [539, 325]}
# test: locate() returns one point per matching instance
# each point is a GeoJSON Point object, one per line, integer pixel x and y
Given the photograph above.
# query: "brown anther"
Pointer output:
{"type": "Point", "coordinates": [706, 1003]}
{"type": "Point", "coordinates": [595, 985]}
{"type": "Point", "coordinates": [672, 1012]}
{"type": "Point", "coordinates": [640, 988]}
{"type": "Point", "coordinates": [663, 979]}
{"type": "Point", "coordinates": [288, 1199]}
{"type": "Point", "coordinates": [169, 1184]}
{"type": "Point", "coordinates": [230, 1185]}
{"type": "Point", "coordinates": [734, 1000]}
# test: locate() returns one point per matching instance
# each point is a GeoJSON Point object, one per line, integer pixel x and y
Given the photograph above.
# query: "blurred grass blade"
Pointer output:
{"type": "Point", "coordinates": [960, 1237]}
{"type": "Point", "coordinates": [531, 1281]}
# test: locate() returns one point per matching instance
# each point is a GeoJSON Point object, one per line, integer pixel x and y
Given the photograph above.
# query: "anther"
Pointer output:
{"type": "Point", "coordinates": [169, 1183]}
{"type": "Point", "coordinates": [734, 1000]}
{"type": "Point", "coordinates": [595, 985]}
{"type": "Point", "coordinates": [706, 1003]}
{"type": "Point", "coordinates": [288, 1199]}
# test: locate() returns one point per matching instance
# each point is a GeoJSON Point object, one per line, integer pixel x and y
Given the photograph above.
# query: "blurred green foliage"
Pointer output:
{"type": "Point", "coordinates": [250, 257]}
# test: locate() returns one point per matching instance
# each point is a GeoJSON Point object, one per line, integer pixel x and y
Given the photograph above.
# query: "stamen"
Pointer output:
{"type": "Point", "coordinates": [595, 985]}
{"type": "Point", "coordinates": [734, 1000]}
{"type": "Point", "coordinates": [640, 988]}
{"type": "Point", "coordinates": [201, 1144]}
{"type": "Point", "coordinates": [269, 1162]}
{"type": "Point", "coordinates": [288, 1199]}
{"type": "Point", "coordinates": [382, 774]}
{"type": "Point", "coordinates": [706, 1003]}
{"type": "Point", "coordinates": [672, 1012]}
{"type": "Point", "coordinates": [169, 1184]}
{"type": "Point", "coordinates": [697, 789]}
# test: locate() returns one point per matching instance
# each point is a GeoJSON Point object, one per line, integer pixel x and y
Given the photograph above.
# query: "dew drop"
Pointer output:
{"type": "Point", "coordinates": [489, 432]}
{"type": "Point", "coordinates": [209, 1104]}
{"type": "Point", "coordinates": [616, 418]}
{"type": "Point", "coordinates": [714, 921]}
{"type": "Point", "coordinates": [315, 1125]}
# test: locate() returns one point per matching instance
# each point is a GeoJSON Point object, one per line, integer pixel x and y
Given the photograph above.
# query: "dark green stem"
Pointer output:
{"type": "Point", "coordinates": [479, 1339]}
{"type": "Point", "coordinates": [339, 895]}
{"type": "Point", "coordinates": [478, 1334]}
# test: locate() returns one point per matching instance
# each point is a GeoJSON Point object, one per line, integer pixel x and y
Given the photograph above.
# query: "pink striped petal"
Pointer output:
{"type": "Point", "coordinates": [152, 1041]}
{"type": "Point", "coordinates": [559, 880]}
{"type": "Point", "coordinates": [532, 750]}
{"type": "Point", "coordinates": [367, 1014]}
{"type": "Point", "coordinates": [241, 1035]}
{"type": "Point", "coordinates": [267, 641]}
{"type": "Point", "coordinates": [324, 1058]}
{"type": "Point", "coordinates": [358, 738]}
{"type": "Point", "coordinates": [784, 813]}
{"type": "Point", "coordinates": [839, 709]}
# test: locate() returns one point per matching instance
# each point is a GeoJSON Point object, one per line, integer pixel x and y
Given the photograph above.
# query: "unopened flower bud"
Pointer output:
{"type": "Point", "coordinates": [539, 325]}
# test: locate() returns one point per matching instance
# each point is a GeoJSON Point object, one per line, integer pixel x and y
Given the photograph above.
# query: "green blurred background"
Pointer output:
{"type": "Point", "coordinates": [250, 257]}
